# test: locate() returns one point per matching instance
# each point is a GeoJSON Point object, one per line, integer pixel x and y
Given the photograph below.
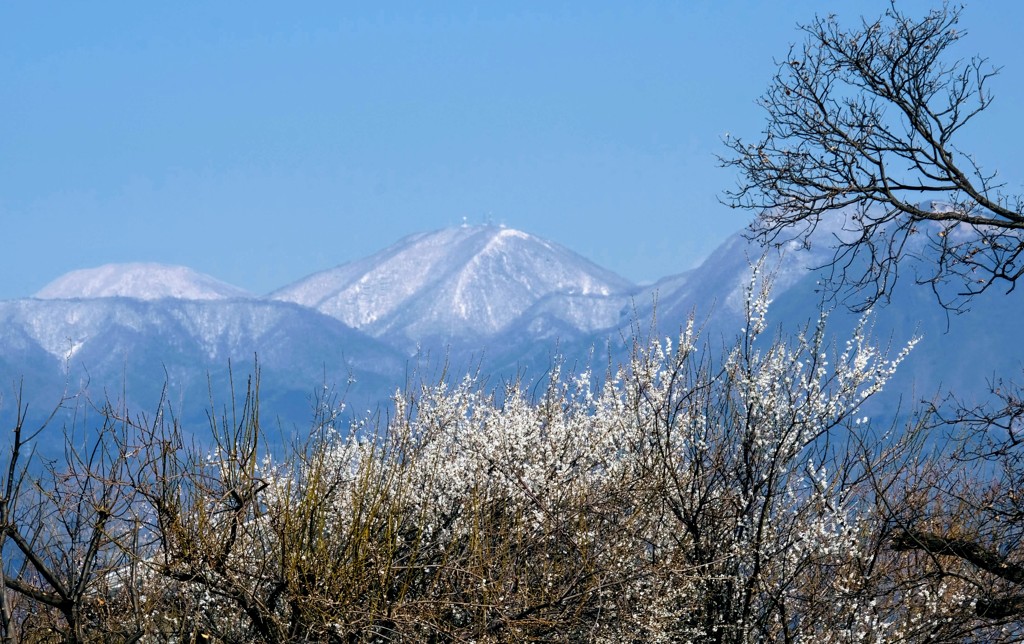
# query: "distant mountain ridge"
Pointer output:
{"type": "Point", "coordinates": [136, 346]}
{"type": "Point", "coordinates": [487, 299]}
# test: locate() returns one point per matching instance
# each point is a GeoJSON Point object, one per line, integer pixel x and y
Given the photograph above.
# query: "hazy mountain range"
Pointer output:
{"type": "Point", "coordinates": [488, 299]}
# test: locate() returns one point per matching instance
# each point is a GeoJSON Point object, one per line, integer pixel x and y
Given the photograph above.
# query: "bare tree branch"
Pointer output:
{"type": "Point", "coordinates": [862, 132]}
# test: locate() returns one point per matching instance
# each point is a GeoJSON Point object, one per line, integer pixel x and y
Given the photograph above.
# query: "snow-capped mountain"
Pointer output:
{"type": "Point", "coordinates": [129, 348]}
{"type": "Point", "coordinates": [487, 299]}
{"type": "Point", "coordinates": [460, 284]}
{"type": "Point", "coordinates": [956, 353]}
{"type": "Point", "coordinates": [143, 281]}
{"type": "Point", "coordinates": [714, 291]}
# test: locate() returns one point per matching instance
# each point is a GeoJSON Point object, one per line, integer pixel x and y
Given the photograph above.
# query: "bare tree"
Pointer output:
{"type": "Point", "coordinates": [863, 131]}
{"type": "Point", "coordinates": [65, 526]}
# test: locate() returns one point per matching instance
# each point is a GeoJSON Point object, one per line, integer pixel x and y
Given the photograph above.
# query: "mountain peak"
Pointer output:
{"type": "Point", "coordinates": [463, 281]}
{"type": "Point", "coordinates": [143, 281]}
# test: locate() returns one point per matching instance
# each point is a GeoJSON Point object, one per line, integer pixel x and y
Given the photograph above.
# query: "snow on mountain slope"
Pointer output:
{"type": "Point", "coordinates": [135, 346]}
{"type": "Point", "coordinates": [580, 313]}
{"type": "Point", "coordinates": [217, 330]}
{"type": "Point", "coordinates": [715, 290]}
{"type": "Point", "coordinates": [143, 281]}
{"type": "Point", "coordinates": [455, 283]}
{"type": "Point", "coordinates": [957, 353]}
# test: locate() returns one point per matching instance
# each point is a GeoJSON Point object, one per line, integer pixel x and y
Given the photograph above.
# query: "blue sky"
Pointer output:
{"type": "Point", "coordinates": [260, 142]}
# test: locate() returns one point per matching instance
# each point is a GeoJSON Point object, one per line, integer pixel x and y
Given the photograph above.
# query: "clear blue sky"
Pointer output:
{"type": "Point", "coordinates": [260, 142]}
